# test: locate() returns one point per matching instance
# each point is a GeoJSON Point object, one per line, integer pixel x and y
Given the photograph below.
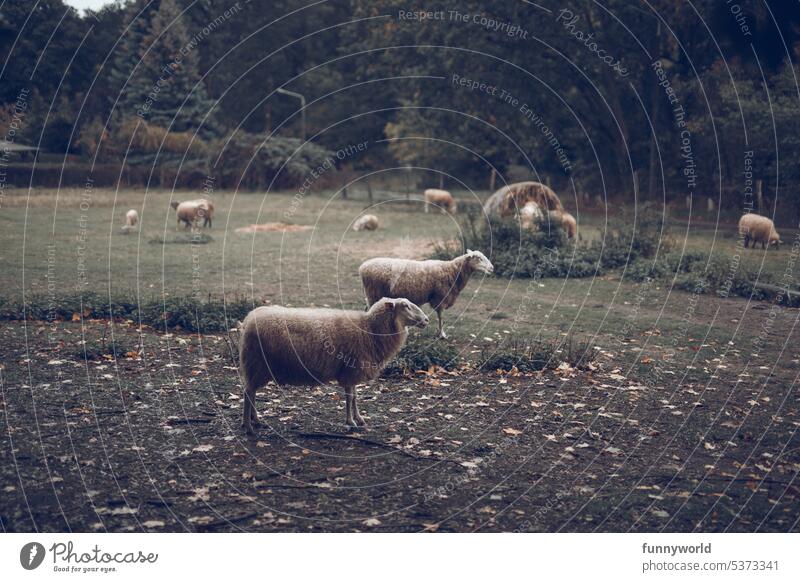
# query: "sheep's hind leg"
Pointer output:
{"type": "Point", "coordinates": [250, 416]}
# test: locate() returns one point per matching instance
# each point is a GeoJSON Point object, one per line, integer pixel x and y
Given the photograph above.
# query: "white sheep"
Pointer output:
{"type": "Point", "coordinates": [758, 229]}
{"type": "Point", "coordinates": [131, 220]}
{"type": "Point", "coordinates": [441, 199]}
{"type": "Point", "coordinates": [530, 215]}
{"type": "Point", "coordinates": [435, 282]}
{"type": "Point", "coordinates": [366, 222]}
{"type": "Point", "coordinates": [306, 347]}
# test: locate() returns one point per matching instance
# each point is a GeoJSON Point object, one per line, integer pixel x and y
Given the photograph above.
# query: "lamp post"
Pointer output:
{"type": "Point", "coordinates": [302, 108]}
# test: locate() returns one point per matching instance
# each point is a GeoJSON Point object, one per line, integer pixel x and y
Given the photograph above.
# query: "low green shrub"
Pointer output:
{"type": "Point", "coordinates": [528, 355]}
{"type": "Point", "coordinates": [420, 354]}
{"type": "Point", "coordinates": [168, 313]}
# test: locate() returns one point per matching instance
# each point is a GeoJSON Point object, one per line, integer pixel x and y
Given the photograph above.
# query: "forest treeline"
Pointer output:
{"type": "Point", "coordinates": [684, 98]}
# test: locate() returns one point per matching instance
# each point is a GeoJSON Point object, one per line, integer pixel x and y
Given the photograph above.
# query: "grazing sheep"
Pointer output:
{"type": "Point", "coordinates": [508, 200]}
{"type": "Point", "coordinates": [530, 215]}
{"type": "Point", "coordinates": [366, 222]}
{"type": "Point", "coordinates": [190, 211]}
{"type": "Point", "coordinates": [434, 282]}
{"type": "Point", "coordinates": [758, 229]}
{"type": "Point", "coordinates": [306, 347]}
{"type": "Point", "coordinates": [441, 199]}
{"type": "Point", "coordinates": [567, 222]}
{"type": "Point", "coordinates": [131, 220]}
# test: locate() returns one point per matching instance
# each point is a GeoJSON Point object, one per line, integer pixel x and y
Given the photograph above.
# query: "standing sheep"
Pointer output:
{"type": "Point", "coordinates": [131, 220]}
{"type": "Point", "coordinates": [191, 211]}
{"type": "Point", "coordinates": [758, 229]}
{"type": "Point", "coordinates": [508, 200]}
{"type": "Point", "coordinates": [435, 282]}
{"type": "Point", "coordinates": [306, 347]}
{"type": "Point", "coordinates": [441, 199]}
{"type": "Point", "coordinates": [366, 222]}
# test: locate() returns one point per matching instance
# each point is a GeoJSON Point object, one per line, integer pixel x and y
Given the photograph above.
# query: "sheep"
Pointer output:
{"type": "Point", "coordinates": [366, 222]}
{"type": "Point", "coordinates": [442, 199]}
{"type": "Point", "coordinates": [307, 347]}
{"type": "Point", "coordinates": [508, 200]}
{"type": "Point", "coordinates": [190, 211]}
{"type": "Point", "coordinates": [530, 215]}
{"type": "Point", "coordinates": [758, 229]}
{"type": "Point", "coordinates": [566, 221]}
{"type": "Point", "coordinates": [131, 220]}
{"type": "Point", "coordinates": [435, 282]}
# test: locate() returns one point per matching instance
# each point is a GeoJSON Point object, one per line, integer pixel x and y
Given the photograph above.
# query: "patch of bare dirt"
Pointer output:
{"type": "Point", "coordinates": [274, 227]}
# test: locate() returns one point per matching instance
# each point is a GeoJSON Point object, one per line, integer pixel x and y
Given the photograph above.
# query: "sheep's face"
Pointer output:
{"type": "Point", "coordinates": [408, 314]}
{"type": "Point", "coordinates": [775, 239]}
{"type": "Point", "coordinates": [479, 262]}
{"type": "Point", "coordinates": [174, 205]}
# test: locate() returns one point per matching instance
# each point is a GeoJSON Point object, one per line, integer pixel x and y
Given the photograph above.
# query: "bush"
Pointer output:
{"type": "Point", "coordinates": [421, 354]}
{"type": "Point", "coordinates": [534, 355]}
{"type": "Point", "coordinates": [170, 313]}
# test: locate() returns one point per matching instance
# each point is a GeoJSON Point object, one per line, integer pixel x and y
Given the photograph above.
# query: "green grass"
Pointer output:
{"type": "Point", "coordinates": [318, 267]}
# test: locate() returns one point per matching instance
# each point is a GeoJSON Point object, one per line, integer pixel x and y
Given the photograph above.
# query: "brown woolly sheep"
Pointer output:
{"type": "Point", "coordinates": [508, 200]}
{"type": "Point", "coordinates": [566, 221]}
{"type": "Point", "coordinates": [367, 222]}
{"type": "Point", "coordinates": [436, 282]}
{"type": "Point", "coordinates": [307, 347]}
{"type": "Point", "coordinates": [131, 220]}
{"type": "Point", "coordinates": [758, 229]}
{"type": "Point", "coordinates": [190, 211]}
{"type": "Point", "coordinates": [441, 199]}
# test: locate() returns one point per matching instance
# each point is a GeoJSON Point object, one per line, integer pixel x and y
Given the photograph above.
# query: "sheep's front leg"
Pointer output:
{"type": "Point", "coordinates": [349, 402]}
{"type": "Point", "coordinates": [357, 415]}
{"type": "Point", "coordinates": [442, 335]}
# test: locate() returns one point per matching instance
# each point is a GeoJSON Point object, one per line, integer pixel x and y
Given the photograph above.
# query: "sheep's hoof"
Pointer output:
{"type": "Point", "coordinates": [442, 335]}
{"type": "Point", "coordinates": [248, 429]}
{"type": "Point", "coordinates": [360, 421]}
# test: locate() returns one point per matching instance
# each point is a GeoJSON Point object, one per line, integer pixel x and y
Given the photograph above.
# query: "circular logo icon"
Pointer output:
{"type": "Point", "coordinates": [31, 555]}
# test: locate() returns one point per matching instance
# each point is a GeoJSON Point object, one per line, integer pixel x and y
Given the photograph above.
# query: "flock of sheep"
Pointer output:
{"type": "Point", "coordinates": [310, 346]}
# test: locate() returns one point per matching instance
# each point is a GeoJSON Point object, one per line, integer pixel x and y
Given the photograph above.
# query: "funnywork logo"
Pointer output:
{"type": "Point", "coordinates": [31, 555]}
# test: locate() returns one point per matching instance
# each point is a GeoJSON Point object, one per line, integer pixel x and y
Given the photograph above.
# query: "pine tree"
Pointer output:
{"type": "Point", "coordinates": [164, 86]}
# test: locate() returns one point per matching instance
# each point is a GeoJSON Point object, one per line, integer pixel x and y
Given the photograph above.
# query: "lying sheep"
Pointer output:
{"type": "Point", "coordinates": [530, 215]}
{"type": "Point", "coordinates": [306, 347]}
{"type": "Point", "coordinates": [366, 222]}
{"type": "Point", "coordinates": [191, 211]}
{"type": "Point", "coordinates": [131, 220]}
{"type": "Point", "coordinates": [434, 282]}
{"type": "Point", "coordinates": [508, 200]}
{"type": "Point", "coordinates": [758, 229]}
{"type": "Point", "coordinates": [441, 199]}
{"type": "Point", "coordinates": [566, 221]}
